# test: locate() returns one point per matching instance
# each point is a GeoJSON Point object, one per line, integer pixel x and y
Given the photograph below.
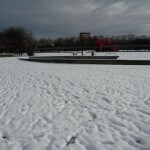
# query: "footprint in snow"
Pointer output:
{"type": "Point", "coordinates": [139, 141]}
{"type": "Point", "coordinates": [93, 116]}
{"type": "Point", "coordinates": [5, 136]}
{"type": "Point", "coordinates": [71, 141]}
{"type": "Point", "coordinates": [106, 99]}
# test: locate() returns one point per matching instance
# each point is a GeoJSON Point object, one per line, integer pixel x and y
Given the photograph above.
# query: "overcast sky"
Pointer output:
{"type": "Point", "coordinates": [53, 18]}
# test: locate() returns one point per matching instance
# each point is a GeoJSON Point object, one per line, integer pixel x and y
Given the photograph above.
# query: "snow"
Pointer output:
{"type": "Point", "coordinates": [73, 107]}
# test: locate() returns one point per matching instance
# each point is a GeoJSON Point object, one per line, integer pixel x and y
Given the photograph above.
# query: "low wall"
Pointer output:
{"type": "Point", "coordinates": [88, 61]}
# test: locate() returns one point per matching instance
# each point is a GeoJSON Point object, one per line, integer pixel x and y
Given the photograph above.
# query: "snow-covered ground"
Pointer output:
{"type": "Point", "coordinates": [73, 107]}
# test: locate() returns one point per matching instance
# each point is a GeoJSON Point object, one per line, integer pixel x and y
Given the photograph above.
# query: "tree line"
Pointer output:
{"type": "Point", "coordinates": [129, 41]}
{"type": "Point", "coordinates": [19, 40]}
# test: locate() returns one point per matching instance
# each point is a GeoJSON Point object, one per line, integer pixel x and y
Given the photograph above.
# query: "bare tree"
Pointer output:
{"type": "Point", "coordinates": [18, 40]}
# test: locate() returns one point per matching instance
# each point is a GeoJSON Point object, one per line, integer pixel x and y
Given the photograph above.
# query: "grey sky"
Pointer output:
{"type": "Point", "coordinates": [52, 18]}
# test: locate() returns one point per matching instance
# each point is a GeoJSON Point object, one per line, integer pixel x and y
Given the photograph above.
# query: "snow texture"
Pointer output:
{"type": "Point", "coordinates": [73, 107]}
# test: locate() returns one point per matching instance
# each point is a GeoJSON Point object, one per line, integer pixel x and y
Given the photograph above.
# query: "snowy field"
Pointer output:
{"type": "Point", "coordinates": [73, 107]}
